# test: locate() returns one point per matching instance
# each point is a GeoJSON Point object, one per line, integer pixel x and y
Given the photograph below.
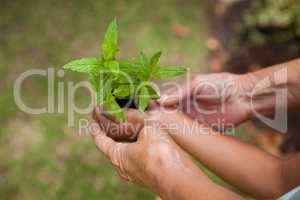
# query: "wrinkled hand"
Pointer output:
{"type": "Point", "coordinates": [150, 161]}
{"type": "Point", "coordinates": [215, 99]}
{"type": "Point", "coordinates": [125, 131]}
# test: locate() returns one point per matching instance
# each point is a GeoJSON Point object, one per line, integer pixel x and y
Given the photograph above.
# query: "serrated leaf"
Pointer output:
{"type": "Point", "coordinates": [127, 79]}
{"type": "Point", "coordinates": [152, 92]}
{"type": "Point", "coordinates": [113, 108]}
{"type": "Point", "coordinates": [95, 81]}
{"type": "Point", "coordinates": [102, 85]}
{"type": "Point", "coordinates": [109, 51]}
{"type": "Point", "coordinates": [123, 91]}
{"type": "Point", "coordinates": [145, 72]}
{"type": "Point", "coordinates": [108, 79]}
{"type": "Point", "coordinates": [105, 87]}
{"type": "Point", "coordinates": [155, 58]}
{"type": "Point", "coordinates": [143, 59]}
{"type": "Point", "coordinates": [130, 72]}
{"type": "Point", "coordinates": [130, 68]}
{"type": "Point", "coordinates": [111, 34]}
{"type": "Point", "coordinates": [144, 98]}
{"type": "Point", "coordinates": [167, 72]}
{"type": "Point", "coordinates": [112, 65]}
{"type": "Point", "coordinates": [84, 65]}
{"type": "Point", "coordinates": [110, 43]}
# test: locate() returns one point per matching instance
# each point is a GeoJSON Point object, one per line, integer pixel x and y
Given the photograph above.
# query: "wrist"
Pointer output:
{"type": "Point", "coordinates": [175, 183]}
{"type": "Point", "coordinates": [259, 93]}
{"type": "Point", "coordinates": [246, 84]}
{"type": "Point", "coordinates": [260, 89]}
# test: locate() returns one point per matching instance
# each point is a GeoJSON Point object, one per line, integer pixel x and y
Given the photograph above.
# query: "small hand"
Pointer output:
{"type": "Point", "coordinates": [215, 99]}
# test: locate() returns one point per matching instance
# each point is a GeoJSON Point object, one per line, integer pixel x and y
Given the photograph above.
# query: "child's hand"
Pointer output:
{"type": "Point", "coordinates": [212, 99]}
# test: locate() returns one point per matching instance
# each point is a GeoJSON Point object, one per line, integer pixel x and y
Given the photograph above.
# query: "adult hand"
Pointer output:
{"type": "Point", "coordinates": [125, 131]}
{"type": "Point", "coordinates": [151, 161]}
{"type": "Point", "coordinates": [218, 100]}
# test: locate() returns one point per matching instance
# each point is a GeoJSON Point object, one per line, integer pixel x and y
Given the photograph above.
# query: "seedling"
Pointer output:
{"type": "Point", "coordinates": [116, 82]}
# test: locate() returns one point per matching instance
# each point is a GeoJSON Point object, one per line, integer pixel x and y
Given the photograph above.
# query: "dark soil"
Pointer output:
{"type": "Point", "coordinates": [126, 103]}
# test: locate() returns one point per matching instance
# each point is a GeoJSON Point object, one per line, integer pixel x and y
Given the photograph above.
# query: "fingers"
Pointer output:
{"type": "Point", "coordinates": [101, 119]}
{"type": "Point", "coordinates": [133, 124]}
{"type": "Point", "coordinates": [134, 116]}
{"type": "Point", "coordinates": [126, 131]}
{"type": "Point", "coordinates": [174, 96]}
{"type": "Point", "coordinates": [111, 149]}
{"type": "Point", "coordinates": [104, 144]}
{"type": "Point", "coordinates": [142, 134]}
{"type": "Point", "coordinates": [107, 125]}
{"type": "Point", "coordinates": [153, 105]}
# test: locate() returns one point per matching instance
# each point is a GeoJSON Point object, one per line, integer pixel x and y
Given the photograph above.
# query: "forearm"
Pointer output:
{"type": "Point", "coordinates": [182, 179]}
{"type": "Point", "coordinates": [184, 184]}
{"type": "Point", "coordinates": [261, 87]}
{"type": "Point", "coordinates": [243, 165]}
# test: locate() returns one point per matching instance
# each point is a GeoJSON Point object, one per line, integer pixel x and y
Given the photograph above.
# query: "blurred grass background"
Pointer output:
{"type": "Point", "coordinates": [41, 158]}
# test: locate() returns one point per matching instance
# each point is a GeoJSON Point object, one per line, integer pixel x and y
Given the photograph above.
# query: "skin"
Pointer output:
{"type": "Point", "coordinates": [243, 165]}
{"type": "Point", "coordinates": [126, 131]}
{"type": "Point", "coordinates": [153, 160]}
{"type": "Point", "coordinates": [263, 176]}
{"type": "Point", "coordinates": [231, 94]}
{"type": "Point", "coordinates": [207, 94]}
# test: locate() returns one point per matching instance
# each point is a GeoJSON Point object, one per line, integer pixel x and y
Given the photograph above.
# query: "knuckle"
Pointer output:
{"type": "Point", "coordinates": [113, 156]}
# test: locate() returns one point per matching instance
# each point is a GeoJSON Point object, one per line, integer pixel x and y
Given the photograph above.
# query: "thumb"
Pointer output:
{"type": "Point", "coordinates": [174, 96]}
{"type": "Point", "coordinates": [104, 143]}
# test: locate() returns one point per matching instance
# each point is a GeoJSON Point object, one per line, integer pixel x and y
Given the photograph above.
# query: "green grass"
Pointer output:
{"type": "Point", "coordinates": [42, 158]}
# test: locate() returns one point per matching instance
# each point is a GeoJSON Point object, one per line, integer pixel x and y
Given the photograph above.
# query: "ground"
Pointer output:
{"type": "Point", "coordinates": [42, 158]}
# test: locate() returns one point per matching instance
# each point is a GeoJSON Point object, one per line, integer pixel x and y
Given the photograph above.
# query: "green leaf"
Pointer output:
{"type": "Point", "coordinates": [130, 68]}
{"type": "Point", "coordinates": [113, 108]}
{"type": "Point", "coordinates": [123, 91]}
{"type": "Point", "coordinates": [167, 72]}
{"type": "Point", "coordinates": [143, 59]}
{"type": "Point", "coordinates": [113, 66]}
{"type": "Point", "coordinates": [84, 65]}
{"type": "Point", "coordinates": [152, 92]}
{"type": "Point", "coordinates": [144, 98]}
{"type": "Point", "coordinates": [95, 81]}
{"type": "Point", "coordinates": [131, 72]}
{"type": "Point", "coordinates": [110, 43]}
{"type": "Point", "coordinates": [155, 58]}
{"type": "Point", "coordinates": [113, 79]}
{"type": "Point", "coordinates": [106, 86]}
{"type": "Point", "coordinates": [127, 79]}
{"type": "Point", "coordinates": [111, 34]}
{"type": "Point", "coordinates": [102, 85]}
{"type": "Point", "coordinates": [109, 51]}
{"type": "Point", "coordinates": [145, 72]}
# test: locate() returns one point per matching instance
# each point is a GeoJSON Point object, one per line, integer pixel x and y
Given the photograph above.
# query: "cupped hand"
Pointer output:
{"type": "Point", "coordinates": [218, 100]}
{"type": "Point", "coordinates": [151, 161]}
{"type": "Point", "coordinates": [124, 131]}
